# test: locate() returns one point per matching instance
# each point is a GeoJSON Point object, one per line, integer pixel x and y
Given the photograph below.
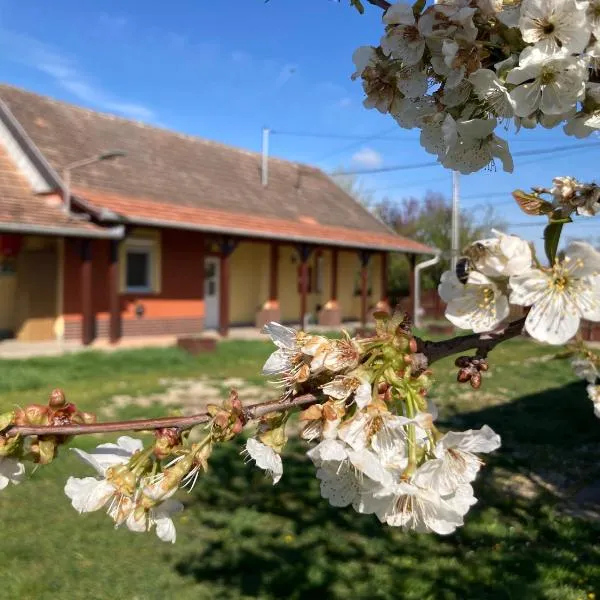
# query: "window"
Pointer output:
{"type": "Point", "coordinates": [140, 260]}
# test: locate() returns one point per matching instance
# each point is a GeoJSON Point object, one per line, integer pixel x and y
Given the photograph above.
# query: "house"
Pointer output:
{"type": "Point", "coordinates": [174, 235]}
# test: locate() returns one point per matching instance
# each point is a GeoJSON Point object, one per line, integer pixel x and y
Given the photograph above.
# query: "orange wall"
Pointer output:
{"type": "Point", "coordinates": [181, 292]}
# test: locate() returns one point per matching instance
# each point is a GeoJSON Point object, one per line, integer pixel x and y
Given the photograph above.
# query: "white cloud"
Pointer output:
{"type": "Point", "coordinates": [66, 73]}
{"type": "Point", "coordinates": [367, 158]}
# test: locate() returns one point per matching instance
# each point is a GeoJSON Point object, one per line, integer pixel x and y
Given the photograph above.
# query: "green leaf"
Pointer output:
{"type": "Point", "coordinates": [358, 6]}
{"type": "Point", "coordinates": [551, 238]}
{"type": "Point", "coordinates": [418, 7]}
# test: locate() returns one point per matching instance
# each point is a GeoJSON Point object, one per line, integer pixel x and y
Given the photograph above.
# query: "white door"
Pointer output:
{"type": "Point", "coordinates": [211, 293]}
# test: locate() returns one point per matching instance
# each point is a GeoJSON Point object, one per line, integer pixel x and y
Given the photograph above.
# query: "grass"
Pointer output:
{"type": "Point", "coordinates": [242, 538]}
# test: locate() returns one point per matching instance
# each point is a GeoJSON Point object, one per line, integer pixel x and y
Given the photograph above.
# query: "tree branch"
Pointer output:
{"type": "Point", "coordinates": [482, 342]}
{"type": "Point", "coordinates": [252, 412]}
{"type": "Point", "coordinates": [427, 353]}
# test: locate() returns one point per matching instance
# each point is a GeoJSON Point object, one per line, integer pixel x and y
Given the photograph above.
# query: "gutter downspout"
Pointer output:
{"type": "Point", "coordinates": [417, 283]}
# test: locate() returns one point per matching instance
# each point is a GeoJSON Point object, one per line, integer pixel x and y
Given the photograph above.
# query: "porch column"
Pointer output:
{"type": "Point", "coordinates": [304, 252]}
{"type": "Point", "coordinates": [85, 276]}
{"type": "Point", "coordinates": [227, 246]}
{"type": "Point", "coordinates": [334, 275]}
{"type": "Point", "coordinates": [412, 260]}
{"type": "Point", "coordinates": [364, 283]}
{"type": "Point", "coordinates": [114, 326]}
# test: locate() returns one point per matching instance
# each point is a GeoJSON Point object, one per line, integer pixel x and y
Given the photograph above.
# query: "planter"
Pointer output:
{"type": "Point", "coordinates": [197, 344]}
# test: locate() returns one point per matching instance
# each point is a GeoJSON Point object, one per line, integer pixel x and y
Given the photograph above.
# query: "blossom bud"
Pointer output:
{"type": "Point", "coordinates": [57, 398]}
{"type": "Point", "coordinates": [6, 419]}
{"type": "Point", "coordinates": [34, 414]}
{"type": "Point", "coordinates": [382, 387]}
{"type": "Point", "coordinates": [464, 375]}
{"type": "Point", "coordinates": [476, 380]}
{"type": "Point", "coordinates": [86, 418]}
{"type": "Point", "coordinates": [412, 345]}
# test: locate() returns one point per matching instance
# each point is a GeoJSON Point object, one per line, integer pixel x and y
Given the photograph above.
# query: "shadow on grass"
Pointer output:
{"type": "Point", "coordinates": [269, 542]}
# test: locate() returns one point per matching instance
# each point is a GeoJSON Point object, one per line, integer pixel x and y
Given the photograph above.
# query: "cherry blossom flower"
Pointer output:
{"type": "Point", "coordinates": [560, 296]}
{"type": "Point", "coordinates": [554, 25]}
{"type": "Point", "coordinates": [586, 369]}
{"type": "Point", "coordinates": [363, 57]}
{"type": "Point", "coordinates": [11, 471]}
{"type": "Point", "coordinates": [112, 487]}
{"type": "Point", "coordinates": [478, 304]}
{"type": "Point", "coordinates": [492, 92]}
{"type": "Point", "coordinates": [357, 384]}
{"type": "Point", "coordinates": [265, 458]}
{"type": "Point", "coordinates": [140, 519]}
{"type": "Point", "coordinates": [551, 83]}
{"type": "Point", "coordinates": [403, 39]}
{"type": "Point", "coordinates": [501, 256]}
{"type": "Point", "coordinates": [455, 463]}
{"type": "Point", "coordinates": [594, 395]}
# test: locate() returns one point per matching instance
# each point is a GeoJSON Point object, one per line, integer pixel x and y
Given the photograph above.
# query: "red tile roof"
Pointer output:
{"type": "Point", "coordinates": [144, 211]}
{"type": "Point", "coordinates": [23, 212]}
{"type": "Point", "coordinates": [193, 182]}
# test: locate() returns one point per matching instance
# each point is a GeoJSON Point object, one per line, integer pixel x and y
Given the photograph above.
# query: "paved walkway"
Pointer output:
{"type": "Point", "coordinates": [18, 349]}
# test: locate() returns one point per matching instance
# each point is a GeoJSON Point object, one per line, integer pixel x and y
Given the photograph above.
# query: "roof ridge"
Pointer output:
{"type": "Point", "coordinates": [144, 125]}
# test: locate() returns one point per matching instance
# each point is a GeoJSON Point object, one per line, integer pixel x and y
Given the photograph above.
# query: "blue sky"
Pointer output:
{"type": "Point", "coordinates": [224, 69]}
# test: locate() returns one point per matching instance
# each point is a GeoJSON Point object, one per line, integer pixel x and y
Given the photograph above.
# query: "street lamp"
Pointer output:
{"type": "Point", "coordinates": [108, 155]}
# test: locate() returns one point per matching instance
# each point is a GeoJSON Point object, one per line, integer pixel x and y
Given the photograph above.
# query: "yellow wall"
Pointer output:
{"type": "Point", "coordinates": [249, 281]}
{"type": "Point", "coordinates": [8, 297]}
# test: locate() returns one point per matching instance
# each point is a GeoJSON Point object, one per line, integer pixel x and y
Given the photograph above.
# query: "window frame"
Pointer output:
{"type": "Point", "coordinates": [148, 243]}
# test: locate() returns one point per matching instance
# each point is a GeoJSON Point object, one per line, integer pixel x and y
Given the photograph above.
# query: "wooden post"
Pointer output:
{"type": "Point", "coordinates": [334, 274]}
{"type": "Point", "coordinates": [227, 247]}
{"type": "Point", "coordinates": [412, 259]}
{"type": "Point", "coordinates": [273, 273]}
{"type": "Point", "coordinates": [87, 314]}
{"type": "Point", "coordinates": [364, 283]}
{"type": "Point", "coordinates": [114, 326]}
{"type": "Point", "coordinates": [384, 278]}
{"type": "Point", "coordinates": [304, 252]}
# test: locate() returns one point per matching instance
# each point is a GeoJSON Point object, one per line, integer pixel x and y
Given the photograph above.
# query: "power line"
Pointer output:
{"type": "Point", "coordinates": [423, 165]}
{"type": "Point", "coordinates": [355, 144]}
{"type": "Point", "coordinates": [364, 138]}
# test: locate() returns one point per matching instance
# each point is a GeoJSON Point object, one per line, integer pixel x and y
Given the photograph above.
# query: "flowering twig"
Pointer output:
{"type": "Point", "coordinates": [482, 342]}
{"type": "Point", "coordinates": [250, 413]}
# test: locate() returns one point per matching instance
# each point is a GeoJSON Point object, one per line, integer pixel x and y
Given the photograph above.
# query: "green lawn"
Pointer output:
{"type": "Point", "coordinates": [240, 537]}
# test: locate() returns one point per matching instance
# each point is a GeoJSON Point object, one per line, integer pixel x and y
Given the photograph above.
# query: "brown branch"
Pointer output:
{"type": "Point", "coordinates": [427, 353]}
{"type": "Point", "coordinates": [252, 412]}
{"type": "Point", "coordinates": [482, 342]}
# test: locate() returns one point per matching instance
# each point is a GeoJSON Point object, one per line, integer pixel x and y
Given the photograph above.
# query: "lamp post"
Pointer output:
{"type": "Point", "coordinates": [108, 155]}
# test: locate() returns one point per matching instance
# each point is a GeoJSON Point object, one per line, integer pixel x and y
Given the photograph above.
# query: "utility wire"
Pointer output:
{"type": "Point", "coordinates": [423, 165]}
{"type": "Point", "coordinates": [364, 138]}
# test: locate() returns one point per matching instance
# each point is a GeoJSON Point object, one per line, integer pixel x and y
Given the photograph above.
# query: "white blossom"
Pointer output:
{"type": "Point", "coordinates": [560, 296]}
{"type": "Point", "coordinates": [490, 90]}
{"type": "Point", "coordinates": [11, 471]}
{"type": "Point", "coordinates": [554, 25]}
{"type": "Point", "coordinates": [342, 387]}
{"type": "Point", "coordinates": [89, 494]}
{"type": "Point", "coordinates": [403, 39]}
{"type": "Point", "coordinates": [501, 256]}
{"type": "Point", "coordinates": [455, 463]}
{"type": "Point", "coordinates": [478, 304]}
{"type": "Point", "coordinates": [552, 83]}
{"type": "Point", "coordinates": [159, 516]}
{"type": "Point", "coordinates": [283, 360]}
{"type": "Point", "coordinates": [594, 395]}
{"type": "Point", "coordinates": [586, 369]}
{"type": "Point", "coordinates": [265, 458]}
{"type": "Point", "coordinates": [363, 57]}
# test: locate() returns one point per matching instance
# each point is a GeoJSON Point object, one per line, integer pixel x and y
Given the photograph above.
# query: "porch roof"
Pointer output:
{"type": "Point", "coordinates": [141, 211]}
{"type": "Point", "coordinates": [176, 180]}
{"type": "Point", "coordinates": [21, 211]}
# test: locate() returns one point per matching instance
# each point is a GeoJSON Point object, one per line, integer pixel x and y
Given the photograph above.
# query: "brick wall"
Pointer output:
{"type": "Point", "coordinates": [140, 327]}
